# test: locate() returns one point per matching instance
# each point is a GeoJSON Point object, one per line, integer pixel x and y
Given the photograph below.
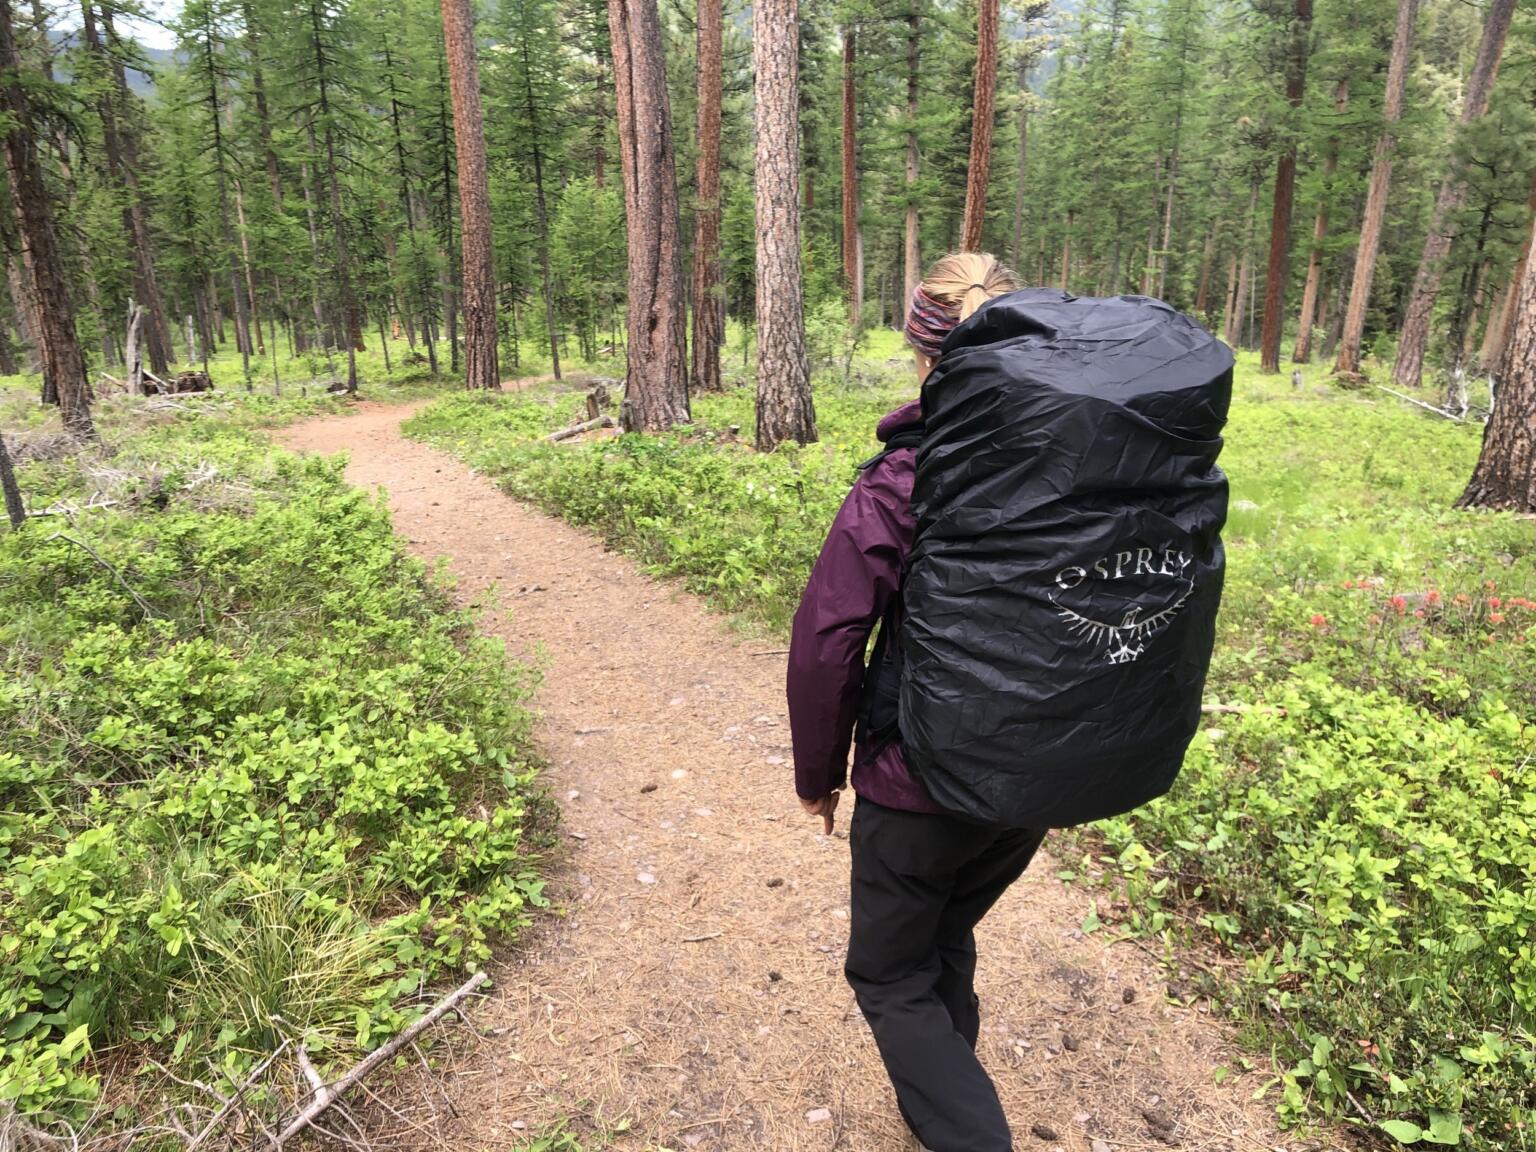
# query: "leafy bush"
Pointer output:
{"type": "Point", "coordinates": [1359, 834]}
{"type": "Point", "coordinates": [258, 779]}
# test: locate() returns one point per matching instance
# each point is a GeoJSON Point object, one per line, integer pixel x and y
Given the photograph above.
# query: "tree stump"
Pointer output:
{"type": "Point", "coordinates": [192, 380]}
{"type": "Point", "coordinates": [598, 400]}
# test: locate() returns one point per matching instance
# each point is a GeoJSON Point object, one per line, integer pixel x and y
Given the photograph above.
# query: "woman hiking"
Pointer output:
{"type": "Point", "coordinates": [1015, 592]}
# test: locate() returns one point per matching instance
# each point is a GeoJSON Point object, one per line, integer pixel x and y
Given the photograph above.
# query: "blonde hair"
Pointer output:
{"type": "Point", "coordinates": [965, 281]}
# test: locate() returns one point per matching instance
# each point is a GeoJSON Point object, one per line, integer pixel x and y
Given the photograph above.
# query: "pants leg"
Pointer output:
{"type": "Point", "coordinates": [920, 884]}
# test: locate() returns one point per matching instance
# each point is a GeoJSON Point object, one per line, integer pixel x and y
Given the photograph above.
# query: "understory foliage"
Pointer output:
{"type": "Point", "coordinates": [258, 781]}
{"type": "Point", "coordinates": [1359, 836]}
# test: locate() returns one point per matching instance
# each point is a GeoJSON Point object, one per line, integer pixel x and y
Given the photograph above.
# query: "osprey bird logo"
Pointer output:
{"type": "Point", "coordinates": [1125, 641]}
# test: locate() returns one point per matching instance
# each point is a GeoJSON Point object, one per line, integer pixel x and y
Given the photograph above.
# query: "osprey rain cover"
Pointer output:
{"type": "Point", "coordinates": [1061, 595]}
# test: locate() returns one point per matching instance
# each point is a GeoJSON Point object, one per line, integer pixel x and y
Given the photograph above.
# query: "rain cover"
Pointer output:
{"type": "Point", "coordinates": [1060, 601]}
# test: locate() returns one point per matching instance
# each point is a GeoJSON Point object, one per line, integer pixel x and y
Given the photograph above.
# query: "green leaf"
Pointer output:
{"type": "Point", "coordinates": [1444, 1128]}
{"type": "Point", "coordinates": [1402, 1131]}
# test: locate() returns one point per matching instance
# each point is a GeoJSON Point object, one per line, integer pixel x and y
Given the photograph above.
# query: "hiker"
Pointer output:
{"type": "Point", "coordinates": [1043, 636]}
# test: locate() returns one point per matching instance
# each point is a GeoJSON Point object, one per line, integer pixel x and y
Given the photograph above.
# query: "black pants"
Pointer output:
{"type": "Point", "coordinates": [921, 883]}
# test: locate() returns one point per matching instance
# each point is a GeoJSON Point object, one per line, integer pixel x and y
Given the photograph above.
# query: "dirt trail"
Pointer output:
{"type": "Point", "coordinates": [693, 995]}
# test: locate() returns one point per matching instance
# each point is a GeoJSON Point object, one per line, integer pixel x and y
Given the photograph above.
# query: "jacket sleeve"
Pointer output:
{"type": "Point", "coordinates": [851, 586]}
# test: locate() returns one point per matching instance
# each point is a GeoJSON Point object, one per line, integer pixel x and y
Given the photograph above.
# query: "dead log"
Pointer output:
{"type": "Point", "coordinates": [133, 351]}
{"type": "Point", "coordinates": [577, 430]}
{"type": "Point", "coordinates": [324, 1095]}
{"type": "Point", "coordinates": [192, 380]}
{"type": "Point", "coordinates": [598, 400]}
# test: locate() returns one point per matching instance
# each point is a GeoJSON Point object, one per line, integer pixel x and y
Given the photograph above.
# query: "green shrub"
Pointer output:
{"type": "Point", "coordinates": [1360, 834]}
{"type": "Point", "coordinates": [257, 778]}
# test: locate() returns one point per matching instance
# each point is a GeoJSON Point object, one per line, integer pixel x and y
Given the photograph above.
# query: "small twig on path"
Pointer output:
{"type": "Point", "coordinates": [701, 939]}
{"type": "Point", "coordinates": [578, 429]}
{"type": "Point", "coordinates": [771, 652]}
{"type": "Point", "coordinates": [334, 1091]}
{"type": "Point", "coordinates": [1427, 407]}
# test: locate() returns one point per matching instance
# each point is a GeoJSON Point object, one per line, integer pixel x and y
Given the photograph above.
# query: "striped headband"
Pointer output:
{"type": "Point", "coordinates": [929, 321]}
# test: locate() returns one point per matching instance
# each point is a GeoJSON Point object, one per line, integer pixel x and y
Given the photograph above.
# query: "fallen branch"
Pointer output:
{"type": "Point", "coordinates": [233, 1101]}
{"type": "Point", "coordinates": [327, 1094]}
{"type": "Point", "coordinates": [1451, 416]}
{"type": "Point", "coordinates": [97, 556]}
{"type": "Point", "coordinates": [701, 939]}
{"type": "Point", "coordinates": [578, 429]}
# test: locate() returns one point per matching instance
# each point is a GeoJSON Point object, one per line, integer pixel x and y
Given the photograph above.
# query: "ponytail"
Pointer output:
{"type": "Point", "coordinates": [955, 287]}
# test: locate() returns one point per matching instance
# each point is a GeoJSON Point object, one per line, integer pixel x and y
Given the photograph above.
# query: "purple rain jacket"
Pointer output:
{"type": "Point", "coordinates": [855, 579]}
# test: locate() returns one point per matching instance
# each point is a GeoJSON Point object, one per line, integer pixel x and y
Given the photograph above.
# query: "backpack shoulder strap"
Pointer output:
{"type": "Point", "coordinates": [909, 437]}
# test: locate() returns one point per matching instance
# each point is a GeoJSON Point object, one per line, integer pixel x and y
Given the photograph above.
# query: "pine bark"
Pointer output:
{"type": "Point", "coordinates": [479, 303]}
{"type": "Point", "coordinates": [1348, 362]}
{"type": "Point", "coordinates": [983, 109]}
{"type": "Point", "coordinates": [1302, 353]}
{"type": "Point", "coordinates": [1279, 267]}
{"type": "Point", "coordinates": [1017, 251]}
{"type": "Point", "coordinates": [1237, 309]}
{"type": "Point", "coordinates": [656, 388]}
{"type": "Point", "coordinates": [15, 509]}
{"type": "Point", "coordinates": [853, 240]}
{"type": "Point", "coordinates": [911, 249]}
{"type": "Point", "coordinates": [708, 302]}
{"type": "Point", "coordinates": [1505, 476]}
{"type": "Point", "coordinates": [1408, 369]}
{"type": "Point", "coordinates": [784, 407]}
{"type": "Point", "coordinates": [63, 364]}
{"type": "Point", "coordinates": [541, 219]}
{"type": "Point", "coordinates": [1497, 336]}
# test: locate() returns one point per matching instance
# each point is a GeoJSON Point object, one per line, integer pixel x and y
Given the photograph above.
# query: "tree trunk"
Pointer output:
{"type": "Point", "coordinates": [1018, 188]}
{"type": "Point", "coordinates": [63, 364]}
{"type": "Point", "coordinates": [1408, 369]}
{"type": "Point", "coordinates": [656, 387]}
{"type": "Point", "coordinates": [1505, 476]}
{"type": "Point", "coordinates": [1066, 255]}
{"type": "Point", "coordinates": [1348, 362]}
{"type": "Point", "coordinates": [121, 146]}
{"type": "Point", "coordinates": [245, 263]}
{"type": "Point", "coordinates": [541, 219]}
{"type": "Point", "coordinates": [911, 249]}
{"type": "Point", "coordinates": [1285, 191]}
{"type": "Point", "coordinates": [15, 510]}
{"type": "Point", "coordinates": [1302, 354]}
{"type": "Point", "coordinates": [1237, 305]}
{"type": "Point", "coordinates": [853, 242]}
{"type": "Point", "coordinates": [1497, 336]}
{"type": "Point", "coordinates": [784, 408]}
{"type": "Point", "coordinates": [708, 303]}
{"type": "Point", "coordinates": [480, 369]}
{"type": "Point", "coordinates": [1202, 290]}
{"type": "Point", "coordinates": [983, 106]}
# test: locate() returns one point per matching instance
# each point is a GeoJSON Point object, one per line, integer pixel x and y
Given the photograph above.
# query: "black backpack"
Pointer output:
{"type": "Point", "coordinates": [1047, 659]}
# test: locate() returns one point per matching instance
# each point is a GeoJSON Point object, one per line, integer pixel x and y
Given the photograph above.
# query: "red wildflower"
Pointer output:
{"type": "Point", "coordinates": [1319, 620]}
{"type": "Point", "coordinates": [1349, 583]}
{"type": "Point", "coordinates": [1432, 598]}
{"type": "Point", "coordinates": [1419, 612]}
{"type": "Point", "coordinates": [1494, 602]}
{"type": "Point", "coordinates": [1399, 604]}
{"type": "Point", "coordinates": [1495, 617]}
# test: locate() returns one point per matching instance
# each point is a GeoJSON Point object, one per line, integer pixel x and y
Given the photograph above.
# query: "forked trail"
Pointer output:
{"type": "Point", "coordinates": [692, 995]}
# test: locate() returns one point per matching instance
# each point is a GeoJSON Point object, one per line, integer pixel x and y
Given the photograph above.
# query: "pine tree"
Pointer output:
{"type": "Point", "coordinates": [983, 115]}
{"type": "Point", "coordinates": [15, 509]}
{"type": "Point", "coordinates": [784, 408]}
{"type": "Point", "coordinates": [656, 390]}
{"type": "Point", "coordinates": [63, 364]}
{"type": "Point", "coordinates": [481, 371]}
{"type": "Point", "coordinates": [1284, 196]}
{"type": "Point", "coordinates": [1408, 369]}
{"type": "Point", "coordinates": [708, 304]}
{"type": "Point", "coordinates": [1348, 363]}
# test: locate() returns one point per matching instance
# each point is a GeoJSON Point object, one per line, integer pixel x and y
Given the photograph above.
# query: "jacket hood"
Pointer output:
{"type": "Point", "coordinates": [909, 414]}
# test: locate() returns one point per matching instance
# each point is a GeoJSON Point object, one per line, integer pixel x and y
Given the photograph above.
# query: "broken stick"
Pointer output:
{"type": "Point", "coordinates": [577, 430]}
{"type": "Point", "coordinates": [327, 1094]}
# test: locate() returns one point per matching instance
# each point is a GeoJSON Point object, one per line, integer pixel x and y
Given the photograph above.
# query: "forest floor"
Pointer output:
{"type": "Point", "coordinates": [690, 994]}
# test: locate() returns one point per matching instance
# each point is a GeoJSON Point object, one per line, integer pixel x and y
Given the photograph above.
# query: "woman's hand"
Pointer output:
{"type": "Point", "coordinates": [824, 808]}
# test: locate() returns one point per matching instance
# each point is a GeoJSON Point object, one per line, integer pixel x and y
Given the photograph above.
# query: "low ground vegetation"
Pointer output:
{"type": "Point", "coordinates": [259, 781]}
{"type": "Point", "coordinates": [1353, 830]}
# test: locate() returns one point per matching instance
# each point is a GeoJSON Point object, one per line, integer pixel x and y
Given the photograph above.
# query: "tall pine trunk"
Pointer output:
{"type": "Point", "coordinates": [983, 109]}
{"type": "Point", "coordinates": [708, 303]}
{"type": "Point", "coordinates": [1497, 336]}
{"type": "Point", "coordinates": [784, 408]}
{"type": "Point", "coordinates": [63, 364]}
{"type": "Point", "coordinates": [541, 220]}
{"type": "Point", "coordinates": [1408, 369]}
{"type": "Point", "coordinates": [853, 240]}
{"type": "Point", "coordinates": [1017, 251]}
{"type": "Point", "coordinates": [1238, 304]}
{"type": "Point", "coordinates": [1505, 476]}
{"type": "Point", "coordinates": [656, 384]}
{"type": "Point", "coordinates": [480, 369]}
{"type": "Point", "coordinates": [911, 250]}
{"type": "Point", "coordinates": [1285, 192]}
{"type": "Point", "coordinates": [1302, 354]}
{"type": "Point", "coordinates": [1348, 362]}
